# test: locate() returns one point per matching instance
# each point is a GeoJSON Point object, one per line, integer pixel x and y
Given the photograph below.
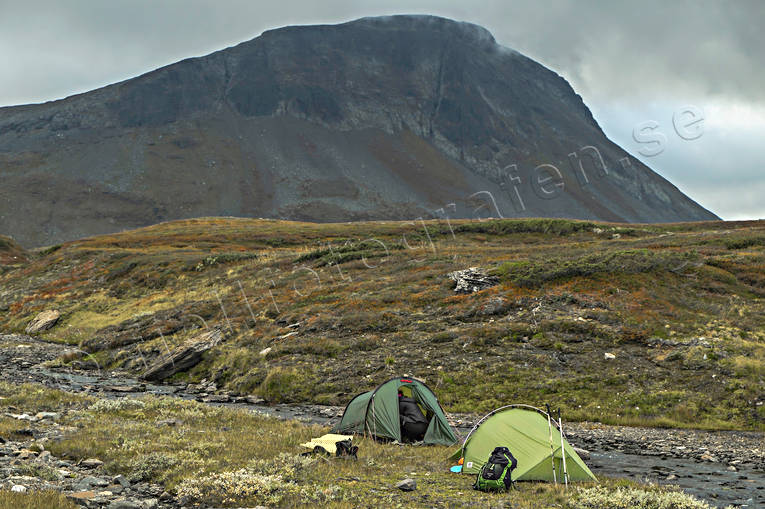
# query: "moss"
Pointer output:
{"type": "Point", "coordinates": [287, 385]}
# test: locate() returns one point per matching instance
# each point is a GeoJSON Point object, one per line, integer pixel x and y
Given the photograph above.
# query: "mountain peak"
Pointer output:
{"type": "Point", "coordinates": [379, 118]}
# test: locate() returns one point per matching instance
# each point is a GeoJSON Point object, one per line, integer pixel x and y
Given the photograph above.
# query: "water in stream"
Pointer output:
{"type": "Point", "coordinates": [708, 481]}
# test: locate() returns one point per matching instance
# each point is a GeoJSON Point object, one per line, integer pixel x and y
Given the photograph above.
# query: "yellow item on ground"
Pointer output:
{"type": "Point", "coordinates": [327, 442]}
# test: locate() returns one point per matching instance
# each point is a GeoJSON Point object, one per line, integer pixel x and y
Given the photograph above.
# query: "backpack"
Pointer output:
{"type": "Point", "coordinates": [495, 474]}
{"type": "Point", "coordinates": [346, 448]}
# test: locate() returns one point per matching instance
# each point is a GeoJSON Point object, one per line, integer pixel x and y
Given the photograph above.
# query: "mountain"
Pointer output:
{"type": "Point", "coordinates": [381, 118]}
{"type": "Point", "coordinates": [10, 253]}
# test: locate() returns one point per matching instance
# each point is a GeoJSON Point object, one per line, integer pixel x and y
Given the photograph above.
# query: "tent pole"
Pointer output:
{"type": "Point", "coordinates": [552, 450]}
{"type": "Point", "coordinates": [562, 448]}
{"type": "Point", "coordinates": [374, 418]}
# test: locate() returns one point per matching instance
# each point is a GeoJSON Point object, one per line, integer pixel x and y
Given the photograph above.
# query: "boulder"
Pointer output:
{"type": "Point", "coordinates": [407, 485]}
{"type": "Point", "coordinates": [122, 481]}
{"type": "Point", "coordinates": [472, 280]}
{"type": "Point", "coordinates": [184, 357]}
{"type": "Point", "coordinates": [91, 463]}
{"type": "Point", "coordinates": [88, 483]}
{"type": "Point", "coordinates": [42, 322]}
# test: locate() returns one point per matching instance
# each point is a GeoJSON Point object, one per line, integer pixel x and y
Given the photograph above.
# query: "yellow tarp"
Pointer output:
{"type": "Point", "coordinates": [327, 442]}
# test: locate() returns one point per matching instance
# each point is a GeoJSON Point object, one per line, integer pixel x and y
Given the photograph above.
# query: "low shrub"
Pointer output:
{"type": "Point", "coordinates": [600, 497]}
{"type": "Point", "coordinates": [535, 273]}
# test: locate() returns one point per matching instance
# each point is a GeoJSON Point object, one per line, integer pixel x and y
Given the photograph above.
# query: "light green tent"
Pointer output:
{"type": "Point", "coordinates": [376, 412]}
{"type": "Point", "coordinates": [525, 431]}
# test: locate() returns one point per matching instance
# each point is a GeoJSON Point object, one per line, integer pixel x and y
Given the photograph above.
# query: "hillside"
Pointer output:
{"type": "Point", "coordinates": [10, 252]}
{"type": "Point", "coordinates": [380, 118]}
{"type": "Point", "coordinates": [317, 312]}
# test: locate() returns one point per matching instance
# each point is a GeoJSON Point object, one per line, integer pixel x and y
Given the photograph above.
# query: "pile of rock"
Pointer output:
{"type": "Point", "coordinates": [472, 280]}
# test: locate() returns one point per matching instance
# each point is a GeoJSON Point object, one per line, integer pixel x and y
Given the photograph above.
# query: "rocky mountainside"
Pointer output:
{"type": "Point", "coordinates": [10, 252]}
{"type": "Point", "coordinates": [379, 118]}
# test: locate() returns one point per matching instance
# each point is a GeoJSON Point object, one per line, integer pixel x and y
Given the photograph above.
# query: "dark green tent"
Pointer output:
{"type": "Point", "coordinates": [376, 412]}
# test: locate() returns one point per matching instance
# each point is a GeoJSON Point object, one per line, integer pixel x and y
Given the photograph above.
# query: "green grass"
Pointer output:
{"type": "Point", "coordinates": [35, 500]}
{"type": "Point", "coordinates": [33, 398]}
{"type": "Point", "coordinates": [232, 458]}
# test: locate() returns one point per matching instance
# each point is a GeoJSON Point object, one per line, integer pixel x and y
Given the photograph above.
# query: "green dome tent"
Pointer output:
{"type": "Point", "coordinates": [376, 412]}
{"type": "Point", "coordinates": [525, 430]}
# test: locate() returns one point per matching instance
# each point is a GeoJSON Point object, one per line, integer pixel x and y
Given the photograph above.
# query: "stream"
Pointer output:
{"type": "Point", "coordinates": [709, 481]}
{"type": "Point", "coordinates": [646, 455]}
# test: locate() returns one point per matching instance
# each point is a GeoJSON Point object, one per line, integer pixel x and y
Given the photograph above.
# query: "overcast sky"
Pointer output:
{"type": "Point", "coordinates": [632, 64]}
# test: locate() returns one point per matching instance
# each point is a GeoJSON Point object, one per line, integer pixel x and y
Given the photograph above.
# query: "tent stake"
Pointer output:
{"type": "Point", "coordinates": [552, 450]}
{"type": "Point", "coordinates": [562, 449]}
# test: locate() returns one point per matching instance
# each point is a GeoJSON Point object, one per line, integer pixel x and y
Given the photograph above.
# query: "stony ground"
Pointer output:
{"type": "Point", "coordinates": [26, 464]}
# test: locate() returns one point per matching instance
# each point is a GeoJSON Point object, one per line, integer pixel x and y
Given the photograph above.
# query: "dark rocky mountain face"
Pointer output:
{"type": "Point", "coordinates": [380, 118]}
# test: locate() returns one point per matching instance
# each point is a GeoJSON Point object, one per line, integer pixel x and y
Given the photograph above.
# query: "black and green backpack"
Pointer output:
{"type": "Point", "coordinates": [495, 474]}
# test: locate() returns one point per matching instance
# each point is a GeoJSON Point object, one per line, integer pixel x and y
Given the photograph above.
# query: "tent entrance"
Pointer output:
{"type": "Point", "coordinates": [411, 391]}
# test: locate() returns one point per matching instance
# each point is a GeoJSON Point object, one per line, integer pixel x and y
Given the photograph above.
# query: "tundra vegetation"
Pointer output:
{"type": "Point", "coordinates": [223, 457]}
{"type": "Point", "coordinates": [318, 312]}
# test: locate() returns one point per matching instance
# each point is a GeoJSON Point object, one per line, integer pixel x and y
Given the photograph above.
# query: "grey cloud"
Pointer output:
{"type": "Point", "coordinates": [606, 49]}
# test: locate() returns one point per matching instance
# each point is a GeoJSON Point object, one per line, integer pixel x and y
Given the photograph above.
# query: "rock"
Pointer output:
{"type": "Point", "coordinates": [254, 400]}
{"type": "Point", "coordinates": [25, 454]}
{"type": "Point", "coordinates": [125, 504]}
{"type": "Point", "coordinates": [91, 463]}
{"type": "Point", "coordinates": [216, 398]}
{"type": "Point", "coordinates": [671, 477]}
{"type": "Point", "coordinates": [81, 497]}
{"type": "Point", "coordinates": [407, 485]}
{"type": "Point", "coordinates": [265, 351]}
{"type": "Point", "coordinates": [123, 388]}
{"type": "Point", "coordinates": [731, 468]}
{"type": "Point", "coordinates": [122, 481]}
{"type": "Point", "coordinates": [88, 483]}
{"type": "Point", "coordinates": [22, 417]}
{"type": "Point", "coordinates": [583, 453]}
{"type": "Point", "coordinates": [46, 415]}
{"type": "Point", "coordinates": [44, 321]}
{"type": "Point", "coordinates": [609, 356]}
{"type": "Point", "coordinates": [184, 357]}
{"type": "Point", "coordinates": [472, 280]}
{"type": "Point", "coordinates": [18, 488]}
